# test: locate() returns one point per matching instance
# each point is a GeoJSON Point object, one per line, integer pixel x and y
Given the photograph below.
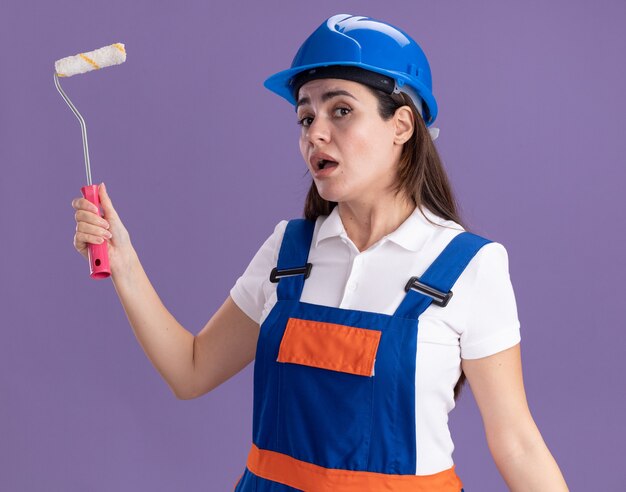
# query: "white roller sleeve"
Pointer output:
{"type": "Point", "coordinates": [93, 60]}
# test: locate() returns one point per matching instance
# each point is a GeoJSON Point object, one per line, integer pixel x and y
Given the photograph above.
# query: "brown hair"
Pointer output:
{"type": "Point", "coordinates": [421, 175]}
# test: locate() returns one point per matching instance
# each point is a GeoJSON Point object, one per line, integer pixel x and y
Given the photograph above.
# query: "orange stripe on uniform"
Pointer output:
{"type": "Point", "coordinates": [119, 47]}
{"type": "Point", "coordinates": [89, 60]}
{"type": "Point", "coordinates": [329, 346]}
{"type": "Point", "coordinates": [307, 476]}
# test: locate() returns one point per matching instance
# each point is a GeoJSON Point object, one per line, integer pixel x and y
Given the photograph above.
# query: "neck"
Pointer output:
{"type": "Point", "coordinates": [367, 223]}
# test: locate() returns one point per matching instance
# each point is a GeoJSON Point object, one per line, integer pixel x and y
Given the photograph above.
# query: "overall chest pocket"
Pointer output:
{"type": "Point", "coordinates": [326, 386]}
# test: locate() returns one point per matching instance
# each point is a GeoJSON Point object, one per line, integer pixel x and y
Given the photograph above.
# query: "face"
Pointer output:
{"type": "Point", "coordinates": [351, 152]}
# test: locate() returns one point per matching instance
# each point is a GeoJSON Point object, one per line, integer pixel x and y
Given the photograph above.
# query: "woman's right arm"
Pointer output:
{"type": "Point", "coordinates": [191, 365]}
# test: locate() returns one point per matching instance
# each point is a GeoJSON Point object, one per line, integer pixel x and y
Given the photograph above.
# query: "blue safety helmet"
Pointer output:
{"type": "Point", "coordinates": [354, 41]}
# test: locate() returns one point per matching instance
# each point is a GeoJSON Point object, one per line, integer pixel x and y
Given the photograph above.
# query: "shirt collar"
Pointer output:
{"type": "Point", "coordinates": [331, 226]}
{"type": "Point", "coordinates": [412, 234]}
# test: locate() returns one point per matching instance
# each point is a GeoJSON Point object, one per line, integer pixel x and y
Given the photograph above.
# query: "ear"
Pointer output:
{"type": "Point", "coordinates": [404, 126]}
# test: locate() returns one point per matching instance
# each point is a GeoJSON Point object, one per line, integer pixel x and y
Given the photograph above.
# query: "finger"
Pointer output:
{"type": "Point", "coordinates": [82, 216]}
{"type": "Point", "coordinates": [107, 205]}
{"type": "Point", "coordinates": [81, 238]}
{"type": "Point", "coordinates": [94, 230]}
{"type": "Point", "coordinates": [84, 204]}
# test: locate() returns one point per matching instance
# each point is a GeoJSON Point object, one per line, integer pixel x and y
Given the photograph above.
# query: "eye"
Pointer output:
{"type": "Point", "coordinates": [341, 112]}
{"type": "Point", "coordinates": [305, 122]}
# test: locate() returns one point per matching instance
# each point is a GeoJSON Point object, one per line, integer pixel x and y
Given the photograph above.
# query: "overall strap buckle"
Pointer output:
{"type": "Point", "coordinates": [439, 298]}
{"type": "Point", "coordinates": [276, 274]}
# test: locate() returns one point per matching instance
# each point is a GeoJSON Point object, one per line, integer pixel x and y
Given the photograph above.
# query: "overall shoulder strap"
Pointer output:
{"type": "Point", "coordinates": [436, 283]}
{"type": "Point", "coordinates": [292, 266]}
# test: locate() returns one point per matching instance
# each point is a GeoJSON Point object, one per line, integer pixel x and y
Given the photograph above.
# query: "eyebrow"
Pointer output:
{"type": "Point", "coordinates": [325, 97]}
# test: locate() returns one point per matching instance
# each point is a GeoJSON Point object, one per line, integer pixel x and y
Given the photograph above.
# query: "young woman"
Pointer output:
{"type": "Point", "coordinates": [364, 317]}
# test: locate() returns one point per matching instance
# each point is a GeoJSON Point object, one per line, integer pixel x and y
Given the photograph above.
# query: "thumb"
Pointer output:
{"type": "Point", "coordinates": [105, 201]}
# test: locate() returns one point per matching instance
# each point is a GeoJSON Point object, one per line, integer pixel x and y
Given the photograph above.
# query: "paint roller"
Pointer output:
{"type": "Point", "coordinates": [73, 65]}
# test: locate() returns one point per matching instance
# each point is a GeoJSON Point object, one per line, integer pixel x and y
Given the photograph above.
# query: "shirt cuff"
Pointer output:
{"type": "Point", "coordinates": [243, 303]}
{"type": "Point", "coordinates": [498, 342]}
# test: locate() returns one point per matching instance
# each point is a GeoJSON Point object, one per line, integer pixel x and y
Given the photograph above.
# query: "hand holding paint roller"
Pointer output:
{"type": "Point", "coordinates": [73, 65]}
{"type": "Point", "coordinates": [107, 231]}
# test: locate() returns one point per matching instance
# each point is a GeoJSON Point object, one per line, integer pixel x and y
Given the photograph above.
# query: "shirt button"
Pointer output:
{"type": "Point", "coordinates": [352, 286]}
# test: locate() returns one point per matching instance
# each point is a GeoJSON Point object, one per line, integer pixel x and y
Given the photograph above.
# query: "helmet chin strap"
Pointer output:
{"type": "Point", "coordinates": [434, 132]}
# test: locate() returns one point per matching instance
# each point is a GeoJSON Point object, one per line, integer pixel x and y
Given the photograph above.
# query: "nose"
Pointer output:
{"type": "Point", "coordinates": [318, 131]}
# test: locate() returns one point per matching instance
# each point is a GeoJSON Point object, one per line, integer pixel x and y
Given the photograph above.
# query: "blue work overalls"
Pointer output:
{"type": "Point", "coordinates": [334, 389]}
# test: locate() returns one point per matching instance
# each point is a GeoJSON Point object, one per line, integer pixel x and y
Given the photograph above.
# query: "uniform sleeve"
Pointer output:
{"type": "Point", "coordinates": [493, 323]}
{"type": "Point", "coordinates": [251, 290]}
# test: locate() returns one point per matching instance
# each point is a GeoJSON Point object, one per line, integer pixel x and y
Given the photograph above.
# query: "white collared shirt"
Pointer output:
{"type": "Point", "coordinates": [479, 320]}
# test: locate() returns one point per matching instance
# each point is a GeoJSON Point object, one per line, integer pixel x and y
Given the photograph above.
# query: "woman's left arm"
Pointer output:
{"type": "Point", "coordinates": [514, 440]}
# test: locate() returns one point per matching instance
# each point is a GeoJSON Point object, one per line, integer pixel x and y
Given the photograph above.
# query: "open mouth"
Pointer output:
{"type": "Point", "coordinates": [325, 163]}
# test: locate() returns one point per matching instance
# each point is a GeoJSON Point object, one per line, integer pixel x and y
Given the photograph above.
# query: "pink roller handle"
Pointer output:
{"type": "Point", "coordinates": [98, 253]}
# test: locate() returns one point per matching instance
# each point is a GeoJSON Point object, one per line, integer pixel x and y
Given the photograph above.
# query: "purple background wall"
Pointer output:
{"type": "Point", "coordinates": [201, 163]}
